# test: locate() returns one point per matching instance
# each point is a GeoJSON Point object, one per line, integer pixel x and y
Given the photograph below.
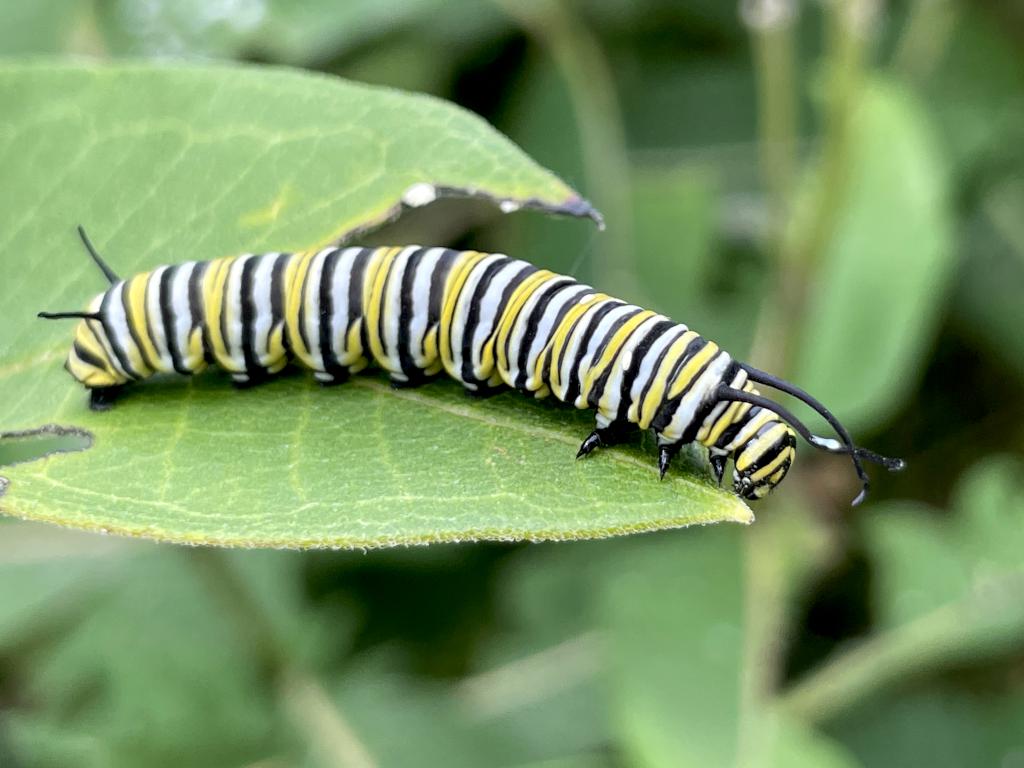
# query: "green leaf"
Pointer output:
{"type": "Point", "coordinates": [680, 618]}
{"type": "Point", "coordinates": [176, 163]}
{"type": "Point", "coordinates": [120, 686]}
{"type": "Point", "coordinates": [287, 31]}
{"type": "Point", "coordinates": [891, 251]}
{"type": "Point", "coordinates": [939, 726]}
{"type": "Point", "coordinates": [947, 591]}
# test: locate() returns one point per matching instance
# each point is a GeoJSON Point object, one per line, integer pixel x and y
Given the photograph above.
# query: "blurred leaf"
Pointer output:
{"type": "Point", "coordinates": [925, 562]}
{"type": "Point", "coordinates": [540, 680]}
{"type": "Point", "coordinates": [38, 27]}
{"type": "Point", "coordinates": [681, 264]}
{"type": "Point", "coordinates": [400, 721]}
{"type": "Point", "coordinates": [938, 728]}
{"type": "Point", "coordinates": [989, 290]}
{"type": "Point", "coordinates": [975, 89]}
{"type": "Point", "coordinates": [676, 616]}
{"type": "Point", "coordinates": [873, 309]}
{"type": "Point", "coordinates": [1003, 205]}
{"type": "Point", "coordinates": [155, 675]}
{"type": "Point", "coordinates": [947, 591]}
{"type": "Point", "coordinates": [539, 120]}
{"type": "Point", "coordinates": [214, 474]}
{"type": "Point", "coordinates": [285, 31]}
{"type": "Point", "coordinates": [47, 574]}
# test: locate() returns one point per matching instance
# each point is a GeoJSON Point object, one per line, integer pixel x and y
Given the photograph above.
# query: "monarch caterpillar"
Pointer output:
{"type": "Point", "coordinates": [485, 319]}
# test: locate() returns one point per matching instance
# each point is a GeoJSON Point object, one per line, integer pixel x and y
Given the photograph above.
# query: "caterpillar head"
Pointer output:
{"type": "Point", "coordinates": [89, 360]}
{"type": "Point", "coordinates": [762, 462]}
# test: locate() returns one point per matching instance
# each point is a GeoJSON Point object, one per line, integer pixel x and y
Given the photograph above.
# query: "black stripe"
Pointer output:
{"type": "Point", "coordinates": [278, 290]}
{"type": "Point", "coordinates": [197, 307]}
{"type": "Point", "coordinates": [133, 323]}
{"type": "Point", "coordinates": [506, 295]}
{"type": "Point", "coordinates": [773, 450]}
{"type": "Point", "coordinates": [108, 363]}
{"type": "Point", "coordinates": [550, 290]}
{"type": "Point", "coordinates": [355, 295]}
{"type": "Point", "coordinates": [533, 326]}
{"type": "Point", "coordinates": [405, 315]}
{"type": "Point", "coordinates": [656, 332]}
{"type": "Point", "coordinates": [167, 317]}
{"type": "Point", "coordinates": [88, 357]}
{"type": "Point", "coordinates": [657, 367]}
{"type": "Point", "coordinates": [473, 317]}
{"type": "Point", "coordinates": [438, 280]}
{"type": "Point", "coordinates": [730, 432]}
{"type": "Point", "coordinates": [667, 411]}
{"type": "Point", "coordinates": [249, 316]}
{"type": "Point", "coordinates": [598, 389]}
{"type": "Point", "coordinates": [574, 384]}
{"type": "Point", "coordinates": [398, 259]}
{"type": "Point", "coordinates": [707, 405]}
{"type": "Point", "coordinates": [303, 293]}
{"type": "Point", "coordinates": [327, 352]}
{"type": "Point", "coordinates": [110, 333]}
{"type": "Point", "coordinates": [224, 299]}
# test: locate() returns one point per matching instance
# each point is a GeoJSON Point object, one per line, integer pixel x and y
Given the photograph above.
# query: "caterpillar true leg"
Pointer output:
{"type": "Point", "coordinates": [604, 437]}
{"type": "Point", "coordinates": [102, 398]}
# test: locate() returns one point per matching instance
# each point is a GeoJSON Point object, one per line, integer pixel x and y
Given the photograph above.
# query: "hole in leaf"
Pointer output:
{"type": "Point", "coordinates": [33, 444]}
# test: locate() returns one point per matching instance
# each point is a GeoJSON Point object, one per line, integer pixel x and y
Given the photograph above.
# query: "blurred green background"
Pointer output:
{"type": "Point", "coordinates": [834, 191]}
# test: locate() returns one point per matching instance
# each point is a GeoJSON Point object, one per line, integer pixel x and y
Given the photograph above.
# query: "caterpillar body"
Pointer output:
{"type": "Point", "coordinates": [485, 319]}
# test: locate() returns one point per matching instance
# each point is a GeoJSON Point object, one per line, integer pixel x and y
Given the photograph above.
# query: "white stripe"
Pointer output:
{"type": "Point", "coordinates": [310, 310]}
{"type": "Point", "coordinates": [698, 392]}
{"type": "Point", "coordinates": [612, 395]}
{"type": "Point", "coordinates": [572, 348]}
{"type": "Point", "coordinates": [461, 314]}
{"type": "Point", "coordinates": [117, 325]}
{"type": "Point", "coordinates": [262, 287]}
{"type": "Point", "coordinates": [158, 333]}
{"type": "Point", "coordinates": [233, 299]}
{"type": "Point", "coordinates": [572, 293]}
{"type": "Point", "coordinates": [516, 336]}
{"type": "Point", "coordinates": [488, 314]}
{"type": "Point", "coordinates": [182, 310]}
{"type": "Point", "coordinates": [648, 370]}
{"type": "Point", "coordinates": [421, 305]}
{"type": "Point", "coordinates": [393, 302]}
{"type": "Point", "coordinates": [339, 319]}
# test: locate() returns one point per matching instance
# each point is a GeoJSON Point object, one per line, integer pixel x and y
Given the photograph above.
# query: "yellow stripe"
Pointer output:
{"type": "Point", "coordinates": [692, 368]}
{"type": "Point", "coordinates": [772, 466]}
{"type": "Point", "coordinates": [213, 299]}
{"type": "Point", "coordinates": [649, 407]}
{"type": "Point", "coordinates": [294, 276]}
{"type": "Point", "coordinates": [137, 301]}
{"type": "Point", "coordinates": [561, 336]}
{"type": "Point", "coordinates": [519, 297]}
{"type": "Point", "coordinates": [275, 349]}
{"type": "Point", "coordinates": [85, 338]}
{"type": "Point", "coordinates": [354, 343]}
{"type": "Point", "coordinates": [755, 449]}
{"type": "Point", "coordinates": [613, 350]}
{"type": "Point", "coordinates": [377, 272]}
{"type": "Point", "coordinates": [453, 288]}
{"type": "Point", "coordinates": [729, 416]}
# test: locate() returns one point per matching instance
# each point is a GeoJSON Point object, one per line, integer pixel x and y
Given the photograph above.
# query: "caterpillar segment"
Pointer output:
{"type": "Point", "coordinates": [484, 319]}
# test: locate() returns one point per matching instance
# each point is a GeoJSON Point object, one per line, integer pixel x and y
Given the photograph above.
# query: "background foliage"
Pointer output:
{"type": "Point", "coordinates": [835, 193]}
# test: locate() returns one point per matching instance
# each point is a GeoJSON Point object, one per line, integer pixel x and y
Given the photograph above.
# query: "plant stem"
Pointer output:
{"type": "Point", "coordinates": [771, 25]}
{"type": "Point", "coordinates": [977, 626]}
{"type": "Point", "coordinates": [313, 714]}
{"type": "Point", "coordinates": [578, 56]}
